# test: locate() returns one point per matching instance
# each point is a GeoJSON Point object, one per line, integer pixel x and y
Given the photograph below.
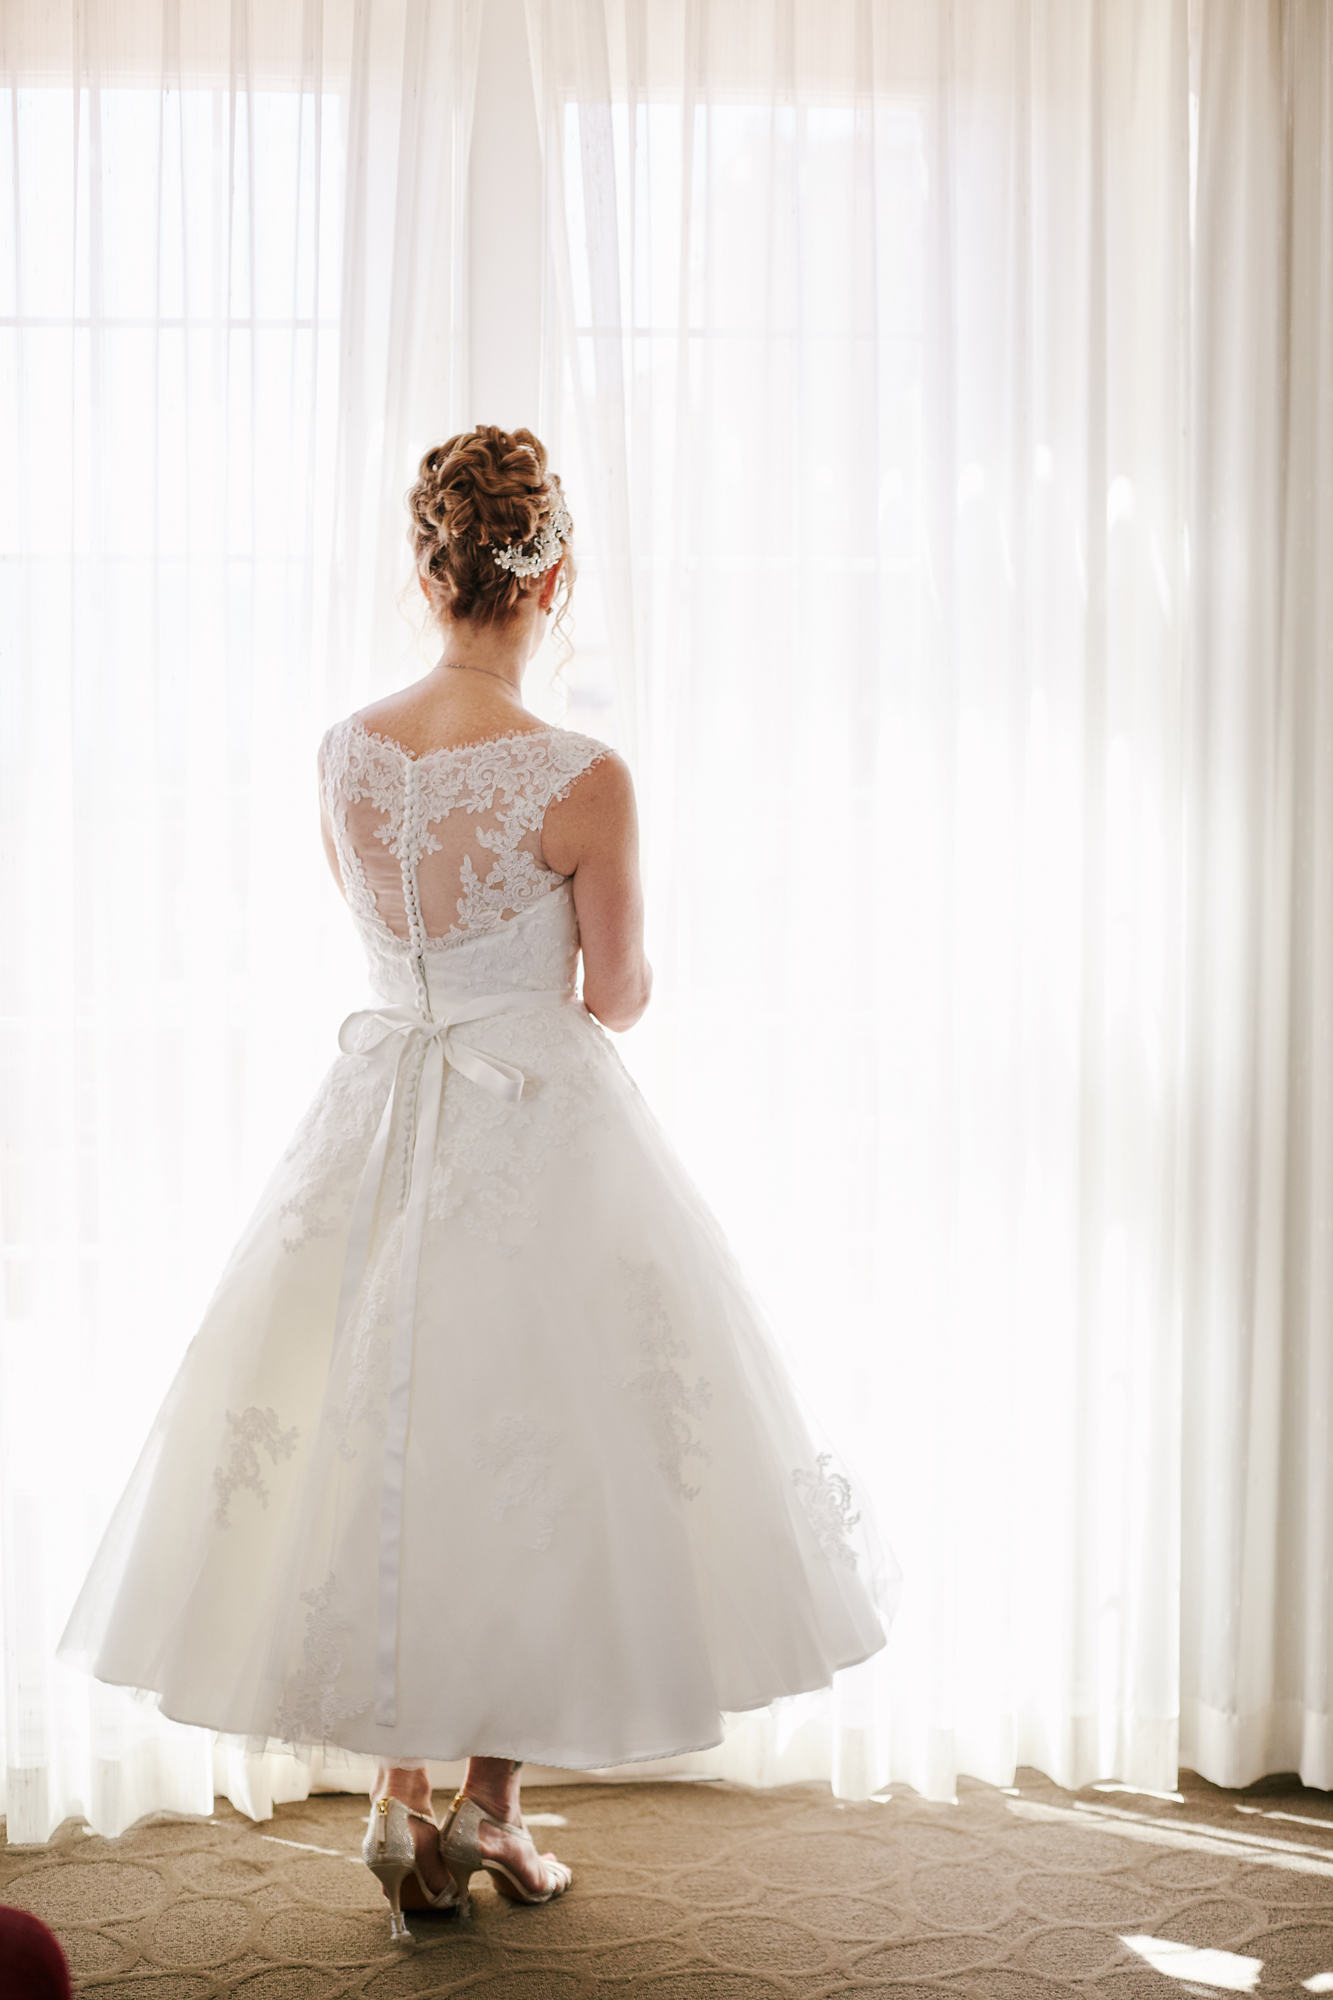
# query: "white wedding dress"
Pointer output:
{"type": "Point", "coordinates": [482, 1447]}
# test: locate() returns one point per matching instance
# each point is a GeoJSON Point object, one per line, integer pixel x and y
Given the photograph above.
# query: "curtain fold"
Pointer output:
{"type": "Point", "coordinates": [1257, 1600]}
{"type": "Point", "coordinates": [231, 257]}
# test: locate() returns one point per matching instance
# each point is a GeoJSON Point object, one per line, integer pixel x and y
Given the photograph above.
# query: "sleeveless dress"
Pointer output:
{"type": "Point", "coordinates": [482, 1447]}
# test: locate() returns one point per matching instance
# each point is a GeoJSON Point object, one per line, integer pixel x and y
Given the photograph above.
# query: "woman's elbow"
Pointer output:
{"type": "Point", "coordinates": [619, 1007]}
{"type": "Point", "coordinates": [618, 1019]}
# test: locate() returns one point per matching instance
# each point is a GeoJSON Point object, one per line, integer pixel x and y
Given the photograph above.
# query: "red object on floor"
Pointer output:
{"type": "Point", "coordinates": [32, 1965]}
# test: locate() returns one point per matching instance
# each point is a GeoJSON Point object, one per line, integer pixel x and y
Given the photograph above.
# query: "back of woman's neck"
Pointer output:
{"type": "Point", "coordinates": [446, 709]}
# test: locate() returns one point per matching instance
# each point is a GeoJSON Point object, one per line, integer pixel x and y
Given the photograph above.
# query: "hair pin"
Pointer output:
{"type": "Point", "coordinates": [546, 546]}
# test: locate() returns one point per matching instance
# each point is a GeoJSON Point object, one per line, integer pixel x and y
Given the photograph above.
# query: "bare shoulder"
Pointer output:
{"type": "Point", "coordinates": [605, 775]}
{"type": "Point", "coordinates": [404, 705]}
{"type": "Point", "coordinates": [603, 784]}
{"type": "Point", "coordinates": [595, 811]}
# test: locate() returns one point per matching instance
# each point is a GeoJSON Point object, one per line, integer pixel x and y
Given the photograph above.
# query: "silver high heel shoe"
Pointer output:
{"type": "Point", "coordinates": [461, 1852]}
{"type": "Point", "coordinates": [390, 1854]}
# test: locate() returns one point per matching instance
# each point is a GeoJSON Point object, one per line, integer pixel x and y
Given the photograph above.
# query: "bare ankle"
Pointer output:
{"type": "Point", "coordinates": [410, 1783]}
{"type": "Point", "coordinates": [493, 1783]}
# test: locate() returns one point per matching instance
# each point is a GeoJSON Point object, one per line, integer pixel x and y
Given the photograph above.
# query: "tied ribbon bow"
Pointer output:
{"type": "Point", "coordinates": [432, 1045]}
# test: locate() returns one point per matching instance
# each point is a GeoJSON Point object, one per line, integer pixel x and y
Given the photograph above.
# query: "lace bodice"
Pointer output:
{"type": "Point", "coordinates": [440, 852]}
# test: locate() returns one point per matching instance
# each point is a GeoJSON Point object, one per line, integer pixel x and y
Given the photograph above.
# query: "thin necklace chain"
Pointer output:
{"type": "Point", "coordinates": [462, 667]}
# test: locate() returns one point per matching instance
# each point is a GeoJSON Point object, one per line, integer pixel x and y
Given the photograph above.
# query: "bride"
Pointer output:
{"type": "Point", "coordinates": [482, 1449]}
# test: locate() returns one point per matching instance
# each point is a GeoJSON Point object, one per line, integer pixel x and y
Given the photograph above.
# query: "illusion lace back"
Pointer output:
{"type": "Point", "coordinates": [482, 1446]}
{"type": "Point", "coordinates": [446, 845]}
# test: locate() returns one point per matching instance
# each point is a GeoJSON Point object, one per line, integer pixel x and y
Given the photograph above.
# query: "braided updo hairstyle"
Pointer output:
{"type": "Point", "coordinates": [475, 493]}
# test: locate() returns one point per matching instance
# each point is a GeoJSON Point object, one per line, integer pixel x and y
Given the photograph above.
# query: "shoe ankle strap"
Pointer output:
{"type": "Point", "coordinates": [387, 1799]}
{"type": "Point", "coordinates": [505, 1826]}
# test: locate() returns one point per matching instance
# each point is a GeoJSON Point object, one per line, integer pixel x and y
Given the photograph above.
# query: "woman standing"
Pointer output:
{"type": "Point", "coordinates": [482, 1449]}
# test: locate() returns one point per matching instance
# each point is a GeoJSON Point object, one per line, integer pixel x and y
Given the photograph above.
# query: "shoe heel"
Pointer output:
{"type": "Point", "coordinates": [461, 1873]}
{"type": "Point", "coordinates": [391, 1874]}
{"type": "Point", "coordinates": [459, 1850]}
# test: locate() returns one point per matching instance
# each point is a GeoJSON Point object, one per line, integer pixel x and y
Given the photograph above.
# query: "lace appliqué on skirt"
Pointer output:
{"type": "Point", "coordinates": [326, 1158]}
{"type": "Point", "coordinates": [254, 1430]}
{"type": "Point", "coordinates": [516, 1453]}
{"type": "Point", "coordinates": [491, 1154]}
{"type": "Point", "coordinates": [827, 1497]}
{"type": "Point", "coordinates": [311, 1709]}
{"type": "Point", "coordinates": [673, 1403]}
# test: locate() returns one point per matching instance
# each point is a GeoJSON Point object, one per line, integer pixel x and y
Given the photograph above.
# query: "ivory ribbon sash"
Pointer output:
{"type": "Point", "coordinates": [425, 1047]}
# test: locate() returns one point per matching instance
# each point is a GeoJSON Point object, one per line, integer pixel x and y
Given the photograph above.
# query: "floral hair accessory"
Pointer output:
{"type": "Point", "coordinates": [546, 544]}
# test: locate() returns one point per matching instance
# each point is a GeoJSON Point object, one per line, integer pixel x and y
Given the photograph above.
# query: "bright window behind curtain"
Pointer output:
{"type": "Point", "coordinates": [870, 347]}
{"type": "Point", "coordinates": [954, 388]}
{"type": "Point", "coordinates": [230, 270]}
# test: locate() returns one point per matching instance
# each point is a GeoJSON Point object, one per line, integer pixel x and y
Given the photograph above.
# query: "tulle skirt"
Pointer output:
{"type": "Point", "coordinates": [609, 1521]}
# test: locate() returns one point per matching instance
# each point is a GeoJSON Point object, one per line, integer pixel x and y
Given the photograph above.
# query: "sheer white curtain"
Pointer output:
{"type": "Point", "coordinates": [1257, 1600]}
{"type": "Point", "coordinates": [989, 914]}
{"type": "Point", "coordinates": [230, 260]}
{"type": "Point", "coordinates": [949, 420]}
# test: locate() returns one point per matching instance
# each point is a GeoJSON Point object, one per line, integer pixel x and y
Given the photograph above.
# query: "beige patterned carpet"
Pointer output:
{"type": "Point", "coordinates": [709, 1892]}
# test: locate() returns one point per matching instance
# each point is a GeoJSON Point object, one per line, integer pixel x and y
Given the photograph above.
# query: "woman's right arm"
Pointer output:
{"type": "Point", "coordinates": [593, 837]}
